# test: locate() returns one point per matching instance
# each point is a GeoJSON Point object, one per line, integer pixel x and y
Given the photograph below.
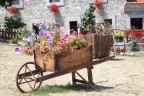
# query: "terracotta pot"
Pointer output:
{"type": "Point", "coordinates": [12, 9]}
{"type": "Point", "coordinates": [53, 8]}
{"type": "Point", "coordinates": [98, 4]}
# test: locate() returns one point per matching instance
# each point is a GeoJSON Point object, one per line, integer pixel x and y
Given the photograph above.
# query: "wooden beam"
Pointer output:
{"type": "Point", "coordinates": [72, 69]}
{"type": "Point", "coordinates": [85, 80]}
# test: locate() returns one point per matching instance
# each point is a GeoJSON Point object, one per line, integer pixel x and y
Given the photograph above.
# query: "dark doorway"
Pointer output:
{"type": "Point", "coordinates": [136, 23]}
{"type": "Point", "coordinates": [35, 28]}
{"type": "Point", "coordinates": [73, 26]}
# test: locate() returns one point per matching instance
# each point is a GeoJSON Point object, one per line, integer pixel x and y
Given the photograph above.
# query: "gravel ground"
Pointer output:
{"type": "Point", "coordinates": [121, 77]}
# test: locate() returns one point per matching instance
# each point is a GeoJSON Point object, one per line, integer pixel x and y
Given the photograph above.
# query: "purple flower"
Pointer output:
{"type": "Point", "coordinates": [49, 40]}
{"type": "Point", "coordinates": [31, 35]}
{"type": "Point", "coordinates": [40, 34]}
{"type": "Point", "coordinates": [42, 26]}
{"type": "Point", "coordinates": [28, 43]}
{"type": "Point", "coordinates": [16, 49]}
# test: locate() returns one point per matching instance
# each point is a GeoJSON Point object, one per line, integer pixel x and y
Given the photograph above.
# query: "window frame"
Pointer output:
{"type": "Point", "coordinates": [61, 3]}
{"type": "Point", "coordinates": [21, 5]}
{"type": "Point", "coordinates": [113, 20]}
{"type": "Point", "coordinates": [134, 16]}
{"type": "Point", "coordinates": [32, 21]}
{"type": "Point", "coordinates": [67, 23]}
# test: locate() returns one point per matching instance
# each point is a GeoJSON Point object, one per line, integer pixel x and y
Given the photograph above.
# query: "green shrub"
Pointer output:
{"type": "Point", "coordinates": [134, 46]}
{"type": "Point", "coordinates": [13, 23]}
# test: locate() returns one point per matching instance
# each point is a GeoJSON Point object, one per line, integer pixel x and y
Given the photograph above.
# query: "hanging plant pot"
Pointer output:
{"type": "Point", "coordinates": [53, 8]}
{"type": "Point", "coordinates": [12, 9]}
{"type": "Point", "coordinates": [98, 4]}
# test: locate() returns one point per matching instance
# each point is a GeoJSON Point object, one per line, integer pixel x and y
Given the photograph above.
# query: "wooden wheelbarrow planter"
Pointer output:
{"type": "Point", "coordinates": [32, 74]}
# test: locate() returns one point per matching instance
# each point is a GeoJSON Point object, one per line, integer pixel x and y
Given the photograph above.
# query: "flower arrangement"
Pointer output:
{"type": "Point", "coordinates": [51, 39]}
{"type": "Point", "coordinates": [136, 33]}
{"type": "Point", "coordinates": [53, 8]}
{"type": "Point", "coordinates": [98, 3]}
{"type": "Point", "coordinates": [103, 28]}
{"type": "Point", "coordinates": [12, 9]}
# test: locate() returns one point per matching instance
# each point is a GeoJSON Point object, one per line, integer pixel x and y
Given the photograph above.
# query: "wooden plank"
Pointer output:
{"type": "Point", "coordinates": [72, 69]}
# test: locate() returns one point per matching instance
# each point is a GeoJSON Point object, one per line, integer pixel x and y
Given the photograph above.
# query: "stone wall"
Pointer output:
{"type": "Point", "coordinates": [37, 11]}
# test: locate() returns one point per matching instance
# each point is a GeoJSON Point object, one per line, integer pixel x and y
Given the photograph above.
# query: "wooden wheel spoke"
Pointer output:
{"type": "Point", "coordinates": [25, 69]}
{"type": "Point", "coordinates": [28, 84]}
{"type": "Point", "coordinates": [34, 85]}
{"type": "Point", "coordinates": [30, 71]}
{"type": "Point", "coordinates": [26, 77]}
{"type": "Point", "coordinates": [20, 80]}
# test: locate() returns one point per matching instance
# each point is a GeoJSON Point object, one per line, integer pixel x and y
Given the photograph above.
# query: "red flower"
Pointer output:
{"type": "Point", "coordinates": [53, 8]}
{"type": "Point", "coordinates": [12, 9]}
{"type": "Point", "coordinates": [98, 4]}
{"type": "Point", "coordinates": [123, 50]}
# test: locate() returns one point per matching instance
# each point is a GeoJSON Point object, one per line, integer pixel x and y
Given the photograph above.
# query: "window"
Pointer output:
{"type": "Point", "coordinates": [111, 19]}
{"type": "Point", "coordinates": [18, 3]}
{"type": "Point", "coordinates": [92, 1]}
{"type": "Point", "coordinates": [57, 2]}
{"type": "Point", "coordinates": [108, 20]}
{"type": "Point", "coordinates": [34, 21]}
{"type": "Point", "coordinates": [136, 23]}
{"type": "Point", "coordinates": [73, 26]}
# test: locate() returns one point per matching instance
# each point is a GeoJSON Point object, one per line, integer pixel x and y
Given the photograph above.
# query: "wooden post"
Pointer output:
{"type": "Point", "coordinates": [73, 78]}
{"type": "Point", "coordinates": [90, 77]}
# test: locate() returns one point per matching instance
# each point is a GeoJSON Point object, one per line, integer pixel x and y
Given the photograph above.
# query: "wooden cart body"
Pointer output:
{"type": "Point", "coordinates": [73, 70]}
{"type": "Point", "coordinates": [67, 64]}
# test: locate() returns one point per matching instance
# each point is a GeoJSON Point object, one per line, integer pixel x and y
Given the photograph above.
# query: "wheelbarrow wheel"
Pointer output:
{"type": "Point", "coordinates": [26, 77]}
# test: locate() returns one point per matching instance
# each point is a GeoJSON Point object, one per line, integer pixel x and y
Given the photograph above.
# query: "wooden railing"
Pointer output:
{"type": "Point", "coordinates": [7, 34]}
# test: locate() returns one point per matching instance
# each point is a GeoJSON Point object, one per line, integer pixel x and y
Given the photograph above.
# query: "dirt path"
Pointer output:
{"type": "Point", "coordinates": [122, 77]}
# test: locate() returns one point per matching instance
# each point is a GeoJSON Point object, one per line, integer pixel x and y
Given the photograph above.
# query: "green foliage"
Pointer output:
{"type": "Point", "coordinates": [13, 23]}
{"type": "Point", "coordinates": [134, 46]}
{"type": "Point", "coordinates": [5, 3]}
{"type": "Point", "coordinates": [20, 34]}
{"type": "Point", "coordinates": [88, 21]}
{"type": "Point", "coordinates": [119, 34]}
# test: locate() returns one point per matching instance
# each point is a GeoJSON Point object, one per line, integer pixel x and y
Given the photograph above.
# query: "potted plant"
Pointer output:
{"type": "Point", "coordinates": [119, 36]}
{"type": "Point", "coordinates": [54, 50]}
{"type": "Point", "coordinates": [53, 8]}
{"type": "Point", "coordinates": [98, 34]}
{"type": "Point", "coordinates": [12, 9]}
{"type": "Point", "coordinates": [98, 4]}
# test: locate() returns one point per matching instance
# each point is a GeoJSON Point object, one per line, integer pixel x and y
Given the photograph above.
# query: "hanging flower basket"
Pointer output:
{"type": "Point", "coordinates": [98, 4]}
{"type": "Point", "coordinates": [12, 9]}
{"type": "Point", "coordinates": [53, 8]}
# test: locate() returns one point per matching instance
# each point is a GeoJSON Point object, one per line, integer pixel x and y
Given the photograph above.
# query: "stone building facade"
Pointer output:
{"type": "Point", "coordinates": [119, 12]}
